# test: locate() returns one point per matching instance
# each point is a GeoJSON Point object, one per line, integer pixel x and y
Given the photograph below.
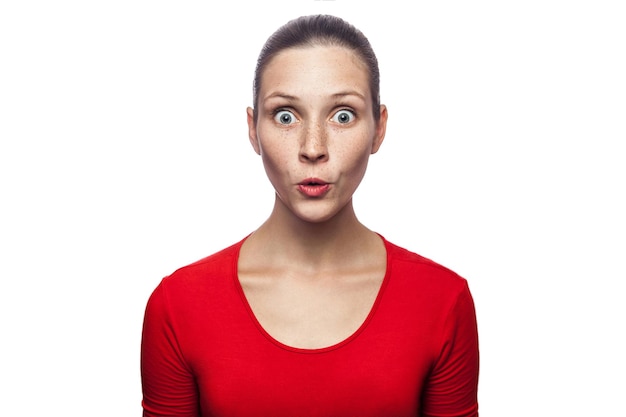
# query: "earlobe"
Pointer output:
{"type": "Point", "coordinates": [381, 129]}
{"type": "Point", "coordinates": [252, 131]}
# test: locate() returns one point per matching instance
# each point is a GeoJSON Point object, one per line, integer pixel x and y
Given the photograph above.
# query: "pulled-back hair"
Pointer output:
{"type": "Point", "coordinates": [319, 30]}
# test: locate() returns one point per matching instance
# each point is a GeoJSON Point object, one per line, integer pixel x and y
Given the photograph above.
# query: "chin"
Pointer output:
{"type": "Point", "coordinates": [313, 211]}
{"type": "Point", "coordinates": [313, 217]}
{"type": "Point", "coordinates": [317, 215]}
{"type": "Point", "coordinates": [317, 220]}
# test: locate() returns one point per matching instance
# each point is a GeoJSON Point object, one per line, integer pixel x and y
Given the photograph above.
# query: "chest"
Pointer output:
{"type": "Point", "coordinates": [380, 369]}
{"type": "Point", "coordinates": [359, 377]}
{"type": "Point", "coordinates": [314, 313]}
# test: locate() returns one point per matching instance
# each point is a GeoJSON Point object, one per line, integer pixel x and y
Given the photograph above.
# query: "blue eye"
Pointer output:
{"type": "Point", "coordinates": [343, 117]}
{"type": "Point", "coordinates": [285, 117]}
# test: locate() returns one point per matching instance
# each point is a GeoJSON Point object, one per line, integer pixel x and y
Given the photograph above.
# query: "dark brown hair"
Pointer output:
{"type": "Point", "coordinates": [323, 30]}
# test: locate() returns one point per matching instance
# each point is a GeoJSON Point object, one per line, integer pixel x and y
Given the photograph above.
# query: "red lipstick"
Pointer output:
{"type": "Point", "coordinates": [313, 187]}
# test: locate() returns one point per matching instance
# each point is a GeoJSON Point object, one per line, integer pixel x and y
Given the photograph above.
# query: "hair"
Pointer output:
{"type": "Point", "coordinates": [319, 30]}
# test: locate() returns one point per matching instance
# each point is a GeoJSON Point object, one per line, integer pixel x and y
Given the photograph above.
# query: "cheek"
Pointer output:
{"type": "Point", "coordinates": [271, 162]}
{"type": "Point", "coordinates": [354, 156]}
{"type": "Point", "coordinates": [275, 156]}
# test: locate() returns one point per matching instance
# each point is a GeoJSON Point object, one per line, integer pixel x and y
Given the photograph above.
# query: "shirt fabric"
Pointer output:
{"type": "Point", "coordinates": [205, 354]}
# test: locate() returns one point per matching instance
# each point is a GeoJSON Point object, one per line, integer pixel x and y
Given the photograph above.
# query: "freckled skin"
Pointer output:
{"type": "Point", "coordinates": [325, 128]}
{"type": "Point", "coordinates": [312, 271]}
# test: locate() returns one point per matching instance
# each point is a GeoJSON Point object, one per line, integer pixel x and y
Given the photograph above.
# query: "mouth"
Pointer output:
{"type": "Point", "coordinates": [313, 187]}
{"type": "Point", "coordinates": [312, 182]}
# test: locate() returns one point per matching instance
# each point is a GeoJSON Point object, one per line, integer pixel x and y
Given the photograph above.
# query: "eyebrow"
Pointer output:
{"type": "Point", "coordinates": [349, 93]}
{"type": "Point", "coordinates": [279, 94]}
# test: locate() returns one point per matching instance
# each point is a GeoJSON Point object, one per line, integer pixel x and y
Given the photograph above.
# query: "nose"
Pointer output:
{"type": "Point", "coordinates": [314, 144]}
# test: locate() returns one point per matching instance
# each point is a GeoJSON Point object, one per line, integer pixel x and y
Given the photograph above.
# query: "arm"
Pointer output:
{"type": "Point", "coordinates": [168, 385]}
{"type": "Point", "coordinates": [452, 387]}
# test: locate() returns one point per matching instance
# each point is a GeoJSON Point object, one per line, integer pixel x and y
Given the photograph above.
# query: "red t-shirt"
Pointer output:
{"type": "Point", "coordinates": [204, 353]}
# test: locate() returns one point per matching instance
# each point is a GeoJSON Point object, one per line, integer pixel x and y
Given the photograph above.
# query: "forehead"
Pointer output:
{"type": "Point", "coordinates": [315, 68]}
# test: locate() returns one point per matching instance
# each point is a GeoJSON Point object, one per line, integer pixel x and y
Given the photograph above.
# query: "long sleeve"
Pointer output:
{"type": "Point", "coordinates": [451, 389]}
{"type": "Point", "coordinates": [169, 387]}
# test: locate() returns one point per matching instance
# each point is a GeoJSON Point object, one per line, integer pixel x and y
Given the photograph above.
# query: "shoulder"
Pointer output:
{"type": "Point", "coordinates": [206, 275]}
{"type": "Point", "coordinates": [424, 273]}
{"type": "Point", "coordinates": [427, 291]}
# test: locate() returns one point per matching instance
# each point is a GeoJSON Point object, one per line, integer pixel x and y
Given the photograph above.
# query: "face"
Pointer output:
{"type": "Point", "coordinates": [315, 129]}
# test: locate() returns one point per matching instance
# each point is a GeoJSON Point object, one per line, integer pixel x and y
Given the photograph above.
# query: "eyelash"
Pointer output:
{"type": "Point", "coordinates": [281, 109]}
{"type": "Point", "coordinates": [347, 109]}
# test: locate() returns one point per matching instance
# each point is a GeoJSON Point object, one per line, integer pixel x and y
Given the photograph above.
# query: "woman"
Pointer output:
{"type": "Point", "coordinates": [312, 314]}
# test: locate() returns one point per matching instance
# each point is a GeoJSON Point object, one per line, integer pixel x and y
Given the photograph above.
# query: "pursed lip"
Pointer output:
{"type": "Point", "coordinates": [312, 181]}
{"type": "Point", "coordinates": [313, 187]}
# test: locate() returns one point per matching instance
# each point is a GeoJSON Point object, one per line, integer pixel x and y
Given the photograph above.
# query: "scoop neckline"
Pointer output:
{"type": "Point", "coordinates": [324, 349]}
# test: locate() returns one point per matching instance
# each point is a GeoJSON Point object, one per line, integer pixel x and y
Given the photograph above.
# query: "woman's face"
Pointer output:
{"type": "Point", "coordinates": [315, 128]}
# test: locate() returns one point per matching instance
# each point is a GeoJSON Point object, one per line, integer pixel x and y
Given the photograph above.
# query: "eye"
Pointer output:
{"type": "Point", "coordinates": [343, 117]}
{"type": "Point", "coordinates": [285, 117]}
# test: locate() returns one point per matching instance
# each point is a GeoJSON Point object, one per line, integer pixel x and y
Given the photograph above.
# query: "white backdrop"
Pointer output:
{"type": "Point", "coordinates": [124, 155]}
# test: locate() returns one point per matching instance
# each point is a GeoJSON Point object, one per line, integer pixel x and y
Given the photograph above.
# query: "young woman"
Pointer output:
{"type": "Point", "coordinates": [312, 314]}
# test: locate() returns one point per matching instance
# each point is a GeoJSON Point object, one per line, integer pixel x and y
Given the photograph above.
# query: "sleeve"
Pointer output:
{"type": "Point", "coordinates": [452, 387]}
{"type": "Point", "coordinates": [168, 385]}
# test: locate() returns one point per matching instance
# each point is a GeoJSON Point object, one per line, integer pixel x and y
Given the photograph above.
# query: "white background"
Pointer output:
{"type": "Point", "coordinates": [124, 155]}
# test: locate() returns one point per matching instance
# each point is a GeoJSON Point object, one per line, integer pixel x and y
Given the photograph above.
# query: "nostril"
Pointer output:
{"type": "Point", "coordinates": [313, 156]}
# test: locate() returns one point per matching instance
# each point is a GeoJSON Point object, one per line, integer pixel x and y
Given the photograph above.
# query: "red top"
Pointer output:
{"type": "Point", "coordinates": [204, 353]}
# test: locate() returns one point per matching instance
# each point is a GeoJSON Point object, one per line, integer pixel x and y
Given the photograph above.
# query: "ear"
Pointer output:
{"type": "Point", "coordinates": [254, 140]}
{"type": "Point", "coordinates": [381, 129]}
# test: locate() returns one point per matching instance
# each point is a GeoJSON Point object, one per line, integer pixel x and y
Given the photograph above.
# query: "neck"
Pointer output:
{"type": "Point", "coordinates": [288, 239]}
